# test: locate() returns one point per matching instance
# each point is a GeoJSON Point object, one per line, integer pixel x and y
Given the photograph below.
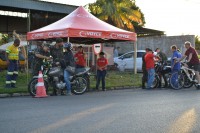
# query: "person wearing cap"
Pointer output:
{"type": "Point", "coordinates": [144, 71]}
{"type": "Point", "coordinates": [40, 55]}
{"type": "Point", "coordinates": [12, 58]}
{"type": "Point", "coordinates": [102, 63]}
{"type": "Point", "coordinates": [68, 61]}
{"type": "Point", "coordinates": [56, 51]}
{"type": "Point", "coordinates": [80, 58]}
{"type": "Point", "coordinates": [150, 67]}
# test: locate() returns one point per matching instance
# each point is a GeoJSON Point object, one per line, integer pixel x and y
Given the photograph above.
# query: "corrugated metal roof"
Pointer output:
{"type": "Point", "coordinates": [38, 5]}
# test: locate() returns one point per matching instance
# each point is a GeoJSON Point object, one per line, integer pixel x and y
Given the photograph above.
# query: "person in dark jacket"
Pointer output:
{"type": "Point", "coordinates": [69, 61]}
{"type": "Point", "coordinates": [163, 59]}
{"type": "Point", "coordinates": [41, 54]}
{"type": "Point", "coordinates": [56, 51]}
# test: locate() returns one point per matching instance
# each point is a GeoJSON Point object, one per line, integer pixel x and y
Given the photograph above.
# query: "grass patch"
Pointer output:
{"type": "Point", "coordinates": [120, 79]}
{"type": "Point", "coordinates": [113, 79]}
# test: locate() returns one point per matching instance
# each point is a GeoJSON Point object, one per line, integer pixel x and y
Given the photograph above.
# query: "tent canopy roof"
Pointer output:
{"type": "Point", "coordinates": [82, 27]}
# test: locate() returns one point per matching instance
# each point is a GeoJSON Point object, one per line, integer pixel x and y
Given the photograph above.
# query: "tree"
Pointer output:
{"type": "Point", "coordinates": [197, 42]}
{"type": "Point", "coordinates": [120, 13]}
{"type": "Point", "coordinates": [3, 38]}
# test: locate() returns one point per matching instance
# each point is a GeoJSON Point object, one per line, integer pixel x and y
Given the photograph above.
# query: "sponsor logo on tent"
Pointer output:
{"type": "Point", "coordinates": [37, 35]}
{"type": "Point", "coordinates": [116, 35]}
{"type": "Point", "coordinates": [57, 34]}
{"type": "Point", "coordinates": [90, 34]}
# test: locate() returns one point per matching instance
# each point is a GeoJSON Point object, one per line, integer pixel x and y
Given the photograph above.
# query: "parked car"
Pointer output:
{"type": "Point", "coordinates": [125, 61]}
{"type": "Point", "coordinates": [3, 63]}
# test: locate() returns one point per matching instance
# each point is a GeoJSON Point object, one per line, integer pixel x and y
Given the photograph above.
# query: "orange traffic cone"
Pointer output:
{"type": "Point", "coordinates": [40, 90]}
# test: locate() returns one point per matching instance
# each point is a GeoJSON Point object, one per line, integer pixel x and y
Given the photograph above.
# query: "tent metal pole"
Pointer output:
{"type": "Point", "coordinates": [68, 39]}
{"type": "Point", "coordinates": [135, 56]}
{"type": "Point", "coordinates": [28, 29]}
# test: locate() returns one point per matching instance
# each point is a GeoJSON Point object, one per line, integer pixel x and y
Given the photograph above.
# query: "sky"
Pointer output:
{"type": "Point", "coordinates": [175, 17]}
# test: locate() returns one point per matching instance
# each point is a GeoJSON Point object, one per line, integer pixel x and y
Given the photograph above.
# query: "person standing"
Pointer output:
{"type": "Point", "coordinates": [150, 67]}
{"type": "Point", "coordinates": [163, 60]}
{"type": "Point", "coordinates": [144, 71]}
{"type": "Point", "coordinates": [161, 55]}
{"type": "Point", "coordinates": [68, 61]}
{"type": "Point", "coordinates": [116, 52]}
{"type": "Point", "coordinates": [12, 58]}
{"type": "Point", "coordinates": [56, 51]}
{"type": "Point", "coordinates": [102, 63]}
{"type": "Point", "coordinates": [80, 58]}
{"type": "Point", "coordinates": [41, 54]}
{"type": "Point", "coordinates": [191, 56]}
{"type": "Point", "coordinates": [175, 65]}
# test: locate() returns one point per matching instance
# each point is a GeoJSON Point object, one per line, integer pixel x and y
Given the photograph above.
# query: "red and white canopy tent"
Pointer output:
{"type": "Point", "coordinates": [82, 27]}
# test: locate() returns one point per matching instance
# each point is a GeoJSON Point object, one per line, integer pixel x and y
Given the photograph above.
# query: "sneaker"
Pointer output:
{"type": "Point", "coordinates": [103, 89]}
{"type": "Point", "coordinates": [53, 94]}
{"type": "Point", "coordinates": [62, 93]}
{"type": "Point", "coordinates": [149, 88]}
{"type": "Point", "coordinates": [8, 86]}
{"type": "Point", "coordinates": [13, 86]}
{"type": "Point", "coordinates": [68, 94]}
{"type": "Point", "coordinates": [198, 87]}
{"type": "Point", "coordinates": [97, 89]}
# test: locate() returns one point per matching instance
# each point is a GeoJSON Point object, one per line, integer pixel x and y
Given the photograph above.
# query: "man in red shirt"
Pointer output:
{"type": "Point", "coordinates": [102, 63]}
{"type": "Point", "coordinates": [149, 60]}
{"type": "Point", "coordinates": [80, 58]}
{"type": "Point", "coordinates": [191, 56]}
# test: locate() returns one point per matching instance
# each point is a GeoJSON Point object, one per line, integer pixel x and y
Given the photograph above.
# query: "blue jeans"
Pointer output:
{"type": "Point", "coordinates": [174, 79]}
{"type": "Point", "coordinates": [101, 77]}
{"type": "Point", "coordinates": [151, 76]}
{"type": "Point", "coordinates": [67, 81]}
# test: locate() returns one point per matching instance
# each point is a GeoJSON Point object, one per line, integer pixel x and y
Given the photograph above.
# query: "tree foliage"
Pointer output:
{"type": "Point", "coordinates": [120, 13]}
{"type": "Point", "coordinates": [197, 42]}
{"type": "Point", "coordinates": [3, 38]}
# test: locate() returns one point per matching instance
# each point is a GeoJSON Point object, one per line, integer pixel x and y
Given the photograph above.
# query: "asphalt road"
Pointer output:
{"type": "Point", "coordinates": [119, 111]}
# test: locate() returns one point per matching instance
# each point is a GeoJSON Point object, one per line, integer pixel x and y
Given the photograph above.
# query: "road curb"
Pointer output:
{"type": "Point", "coordinates": [13, 95]}
{"type": "Point", "coordinates": [4, 95]}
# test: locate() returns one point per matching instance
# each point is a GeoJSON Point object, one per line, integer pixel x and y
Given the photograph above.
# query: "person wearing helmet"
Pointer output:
{"type": "Point", "coordinates": [41, 54]}
{"type": "Point", "coordinates": [68, 61]}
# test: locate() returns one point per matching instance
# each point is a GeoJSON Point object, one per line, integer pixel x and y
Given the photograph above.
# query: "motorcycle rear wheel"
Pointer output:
{"type": "Point", "coordinates": [80, 86]}
{"type": "Point", "coordinates": [187, 82]}
{"type": "Point", "coordinates": [32, 86]}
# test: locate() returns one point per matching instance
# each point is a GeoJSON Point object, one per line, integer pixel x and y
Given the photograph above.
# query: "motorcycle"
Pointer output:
{"type": "Point", "coordinates": [163, 68]}
{"type": "Point", "coordinates": [54, 76]}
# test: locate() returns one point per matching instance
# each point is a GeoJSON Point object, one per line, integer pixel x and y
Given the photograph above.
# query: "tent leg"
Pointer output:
{"type": "Point", "coordinates": [68, 39]}
{"type": "Point", "coordinates": [135, 56]}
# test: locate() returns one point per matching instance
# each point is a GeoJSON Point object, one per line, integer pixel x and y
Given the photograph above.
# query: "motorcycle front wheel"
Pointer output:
{"type": "Point", "coordinates": [156, 81]}
{"type": "Point", "coordinates": [177, 80]}
{"type": "Point", "coordinates": [32, 86]}
{"type": "Point", "coordinates": [79, 86]}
